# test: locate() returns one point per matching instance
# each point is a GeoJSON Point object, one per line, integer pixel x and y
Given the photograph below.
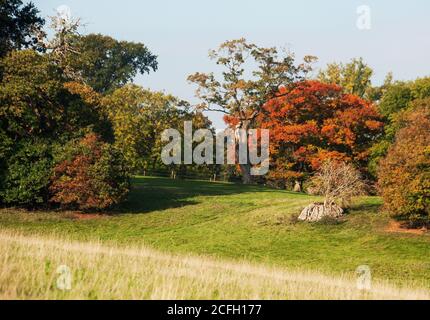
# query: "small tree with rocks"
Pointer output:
{"type": "Point", "coordinates": [338, 183]}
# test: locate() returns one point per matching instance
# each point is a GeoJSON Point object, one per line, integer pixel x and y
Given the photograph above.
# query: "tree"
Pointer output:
{"type": "Point", "coordinates": [354, 77]}
{"type": "Point", "coordinates": [396, 99]}
{"type": "Point", "coordinates": [338, 182]}
{"type": "Point", "coordinates": [316, 121]}
{"type": "Point", "coordinates": [89, 175]}
{"type": "Point", "coordinates": [139, 116]}
{"type": "Point", "coordinates": [61, 47]}
{"type": "Point", "coordinates": [36, 100]}
{"type": "Point", "coordinates": [404, 174]}
{"type": "Point", "coordinates": [251, 76]}
{"type": "Point", "coordinates": [19, 24]}
{"type": "Point", "coordinates": [27, 172]}
{"type": "Point", "coordinates": [107, 64]}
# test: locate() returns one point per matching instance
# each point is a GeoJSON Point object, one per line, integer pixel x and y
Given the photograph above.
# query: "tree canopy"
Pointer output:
{"type": "Point", "coordinates": [107, 64]}
{"type": "Point", "coordinates": [316, 121]}
{"type": "Point", "coordinates": [19, 24]}
{"type": "Point", "coordinates": [354, 77]}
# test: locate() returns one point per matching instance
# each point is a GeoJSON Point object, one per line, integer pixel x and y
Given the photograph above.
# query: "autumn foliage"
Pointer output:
{"type": "Point", "coordinates": [315, 121]}
{"type": "Point", "coordinates": [404, 174]}
{"type": "Point", "coordinates": [89, 175]}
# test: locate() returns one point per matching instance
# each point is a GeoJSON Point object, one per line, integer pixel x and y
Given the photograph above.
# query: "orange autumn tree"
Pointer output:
{"type": "Point", "coordinates": [404, 174]}
{"type": "Point", "coordinates": [313, 122]}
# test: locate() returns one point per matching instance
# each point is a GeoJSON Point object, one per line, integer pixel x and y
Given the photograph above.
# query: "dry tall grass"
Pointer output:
{"type": "Point", "coordinates": [29, 265]}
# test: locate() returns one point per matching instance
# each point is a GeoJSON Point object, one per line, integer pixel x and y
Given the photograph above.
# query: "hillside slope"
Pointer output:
{"type": "Point", "coordinates": [244, 222]}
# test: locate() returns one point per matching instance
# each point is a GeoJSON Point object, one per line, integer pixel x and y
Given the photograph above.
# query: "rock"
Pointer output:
{"type": "Point", "coordinates": [317, 211]}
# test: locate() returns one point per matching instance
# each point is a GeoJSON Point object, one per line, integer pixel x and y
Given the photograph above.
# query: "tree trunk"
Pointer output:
{"type": "Point", "coordinates": [246, 173]}
{"type": "Point", "coordinates": [245, 168]}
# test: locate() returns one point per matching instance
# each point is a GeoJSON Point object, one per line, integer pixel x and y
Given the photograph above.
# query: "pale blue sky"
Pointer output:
{"type": "Point", "coordinates": [182, 32]}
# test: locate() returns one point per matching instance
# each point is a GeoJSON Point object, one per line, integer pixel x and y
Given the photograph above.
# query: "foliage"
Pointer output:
{"type": "Point", "coordinates": [404, 174]}
{"type": "Point", "coordinates": [338, 182]}
{"type": "Point", "coordinates": [26, 178]}
{"type": "Point", "coordinates": [139, 117]}
{"type": "Point", "coordinates": [397, 99]}
{"type": "Point", "coordinates": [36, 100]}
{"type": "Point", "coordinates": [89, 175]}
{"type": "Point", "coordinates": [107, 64]}
{"type": "Point", "coordinates": [354, 77]}
{"type": "Point", "coordinates": [251, 76]}
{"type": "Point", "coordinates": [18, 25]}
{"type": "Point", "coordinates": [315, 121]}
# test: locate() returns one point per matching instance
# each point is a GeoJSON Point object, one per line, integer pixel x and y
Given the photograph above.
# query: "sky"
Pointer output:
{"type": "Point", "coordinates": [182, 32]}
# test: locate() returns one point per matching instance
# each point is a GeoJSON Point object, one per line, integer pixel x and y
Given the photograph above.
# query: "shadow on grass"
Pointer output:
{"type": "Point", "coordinates": [153, 194]}
{"type": "Point", "coordinates": [372, 207]}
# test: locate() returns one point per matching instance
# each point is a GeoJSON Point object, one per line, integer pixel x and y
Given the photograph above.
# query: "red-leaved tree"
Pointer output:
{"type": "Point", "coordinates": [313, 122]}
{"type": "Point", "coordinates": [90, 175]}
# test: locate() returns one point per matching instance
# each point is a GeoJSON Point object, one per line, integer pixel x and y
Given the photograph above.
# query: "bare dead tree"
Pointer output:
{"type": "Point", "coordinates": [338, 182]}
{"type": "Point", "coordinates": [61, 46]}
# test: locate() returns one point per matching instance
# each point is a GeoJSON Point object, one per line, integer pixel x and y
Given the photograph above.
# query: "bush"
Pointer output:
{"type": "Point", "coordinates": [89, 175]}
{"type": "Point", "coordinates": [26, 178]}
{"type": "Point", "coordinates": [338, 182]}
{"type": "Point", "coordinates": [404, 174]}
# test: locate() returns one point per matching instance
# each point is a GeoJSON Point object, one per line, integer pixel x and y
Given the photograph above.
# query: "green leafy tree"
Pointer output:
{"type": "Point", "coordinates": [354, 77]}
{"type": "Point", "coordinates": [139, 117]}
{"type": "Point", "coordinates": [19, 24]}
{"type": "Point", "coordinates": [26, 177]}
{"type": "Point", "coordinates": [36, 101]}
{"type": "Point", "coordinates": [107, 64]}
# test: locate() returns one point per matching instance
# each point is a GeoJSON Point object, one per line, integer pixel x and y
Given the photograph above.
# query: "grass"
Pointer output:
{"type": "Point", "coordinates": [30, 269]}
{"type": "Point", "coordinates": [236, 223]}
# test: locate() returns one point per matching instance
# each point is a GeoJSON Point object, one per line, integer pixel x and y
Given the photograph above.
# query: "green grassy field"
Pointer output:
{"type": "Point", "coordinates": [237, 222]}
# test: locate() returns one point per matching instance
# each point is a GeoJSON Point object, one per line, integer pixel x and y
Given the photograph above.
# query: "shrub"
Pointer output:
{"type": "Point", "coordinates": [404, 174]}
{"type": "Point", "coordinates": [26, 178]}
{"type": "Point", "coordinates": [338, 182]}
{"type": "Point", "coordinates": [89, 175]}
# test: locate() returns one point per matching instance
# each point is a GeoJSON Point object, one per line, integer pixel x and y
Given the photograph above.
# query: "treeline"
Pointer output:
{"type": "Point", "coordinates": [73, 128]}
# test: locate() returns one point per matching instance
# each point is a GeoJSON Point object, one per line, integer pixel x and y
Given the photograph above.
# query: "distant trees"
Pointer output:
{"type": "Point", "coordinates": [404, 174]}
{"type": "Point", "coordinates": [313, 122]}
{"type": "Point", "coordinates": [72, 127]}
{"type": "Point", "coordinates": [139, 116]}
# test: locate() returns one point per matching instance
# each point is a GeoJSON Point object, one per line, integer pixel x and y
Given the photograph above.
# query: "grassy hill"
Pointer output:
{"type": "Point", "coordinates": [236, 222]}
{"type": "Point", "coordinates": [31, 267]}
